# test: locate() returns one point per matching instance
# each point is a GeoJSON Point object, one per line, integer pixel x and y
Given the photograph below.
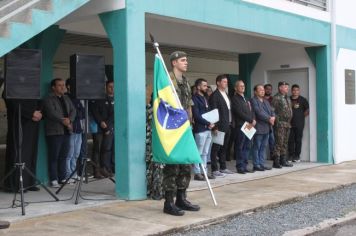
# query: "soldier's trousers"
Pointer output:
{"type": "Point", "coordinates": [281, 135]}
{"type": "Point", "coordinates": [176, 177]}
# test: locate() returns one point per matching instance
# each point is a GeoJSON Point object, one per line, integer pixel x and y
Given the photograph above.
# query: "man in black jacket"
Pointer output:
{"type": "Point", "coordinates": [103, 113]}
{"type": "Point", "coordinates": [30, 118]}
{"type": "Point", "coordinates": [219, 100]}
{"type": "Point", "coordinates": [242, 112]}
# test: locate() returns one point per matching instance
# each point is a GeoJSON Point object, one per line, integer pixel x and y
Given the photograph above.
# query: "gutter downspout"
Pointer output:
{"type": "Point", "coordinates": [333, 68]}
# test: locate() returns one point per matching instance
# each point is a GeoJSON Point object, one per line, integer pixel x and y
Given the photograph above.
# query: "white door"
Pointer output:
{"type": "Point", "coordinates": [300, 77]}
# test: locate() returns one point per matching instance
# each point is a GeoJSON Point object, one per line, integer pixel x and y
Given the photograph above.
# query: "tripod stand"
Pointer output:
{"type": "Point", "coordinates": [83, 164]}
{"type": "Point", "coordinates": [20, 166]}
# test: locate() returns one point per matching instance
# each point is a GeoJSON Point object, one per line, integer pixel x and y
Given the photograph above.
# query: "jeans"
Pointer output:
{"type": "Point", "coordinates": [75, 144]}
{"type": "Point", "coordinates": [58, 146]}
{"type": "Point", "coordinates": [259, 149]}
{"type": "Point", "coordinates": [242, 149]}
{"type": "Point", "coordinates": [203, 141]}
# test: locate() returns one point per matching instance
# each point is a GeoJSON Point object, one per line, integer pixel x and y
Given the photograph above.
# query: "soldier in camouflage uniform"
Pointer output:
{"type": "Point", "coordinates": [176, 178]}
{"type": "Point", "coordinates": [283, 110]}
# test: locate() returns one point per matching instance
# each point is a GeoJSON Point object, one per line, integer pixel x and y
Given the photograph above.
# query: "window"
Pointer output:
{"type": "Point", "coordinates": [316, 4]}
{"type": "Point", "coordinates": [350, 86]}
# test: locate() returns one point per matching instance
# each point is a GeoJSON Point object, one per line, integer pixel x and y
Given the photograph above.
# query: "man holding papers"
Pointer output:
{"type": "Point", "coordinates": [220, 101]}
{"type": "Point", "coordinates": [202, 126]}
{"type": "Point", "coordinates": [243, 113]}
{"type": "Point", "coordinates": [264, 121]}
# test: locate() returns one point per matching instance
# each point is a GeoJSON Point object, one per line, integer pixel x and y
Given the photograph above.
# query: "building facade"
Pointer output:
{"type": "Point", "coordinates": [311, 43]}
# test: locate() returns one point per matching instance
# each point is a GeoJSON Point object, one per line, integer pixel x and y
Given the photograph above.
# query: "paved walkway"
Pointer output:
{"type": "Point", "coordinates": [146, 217]}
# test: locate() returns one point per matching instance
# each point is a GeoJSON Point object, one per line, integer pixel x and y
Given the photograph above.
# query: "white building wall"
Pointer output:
{"type": "Point", "coordinates": [344, 114]}
{"type": "Point", "coordinates": [345, 13]}
{"type": "Point", "coordinates": [296, 58]}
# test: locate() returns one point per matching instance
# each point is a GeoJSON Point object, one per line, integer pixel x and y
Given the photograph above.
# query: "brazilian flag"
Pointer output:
{"type": "Point", "coordinates": [172, 137]}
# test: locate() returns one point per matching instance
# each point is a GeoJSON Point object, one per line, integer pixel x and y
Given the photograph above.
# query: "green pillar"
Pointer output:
{"type": "Point", "coordinates": [247, 63]}
{"type": "Point", "coordinates": [48, 41]}
{"type": "Point", "coordinates": [126, 31]}
{"type": "Point", "coordinates": [320, 56]}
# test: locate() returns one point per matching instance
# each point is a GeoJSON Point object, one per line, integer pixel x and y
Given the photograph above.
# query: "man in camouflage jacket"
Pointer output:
{"type": "Point", "coordinates": [176, 178]}
{"type": "Point", "coordinates": [283, 110]}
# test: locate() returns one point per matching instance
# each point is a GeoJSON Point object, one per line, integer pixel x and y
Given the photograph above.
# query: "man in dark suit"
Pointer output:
{"type": "Point", "coordinates": [242, 112]}
{"type": "Point", "coordinates": [219, 100]}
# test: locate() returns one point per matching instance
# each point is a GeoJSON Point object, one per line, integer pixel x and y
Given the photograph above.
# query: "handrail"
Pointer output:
{"type": "Point", "coordinates": [14, 7]}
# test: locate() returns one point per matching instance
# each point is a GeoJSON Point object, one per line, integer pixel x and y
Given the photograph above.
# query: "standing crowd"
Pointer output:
{"type": "Point", "coordinates": [278, 121]}
{"type": "Point", "coordinates": [64, 117]}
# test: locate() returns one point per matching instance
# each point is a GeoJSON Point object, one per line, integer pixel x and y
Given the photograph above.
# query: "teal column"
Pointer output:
{"type": "Point", "coordinates": [320, 56]}
{"type": "Point", "coordinates": [126, 31]}
{"type": "Point", "coordinates": [48, 41]}
{"type": "Point", "coordinates": [247, 63]}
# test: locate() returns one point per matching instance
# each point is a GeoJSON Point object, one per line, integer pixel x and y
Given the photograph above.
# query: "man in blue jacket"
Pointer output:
{"type": "Point", "coordinates": [202, 127]}
{"type": "Point", "coordinates": [264, 121]}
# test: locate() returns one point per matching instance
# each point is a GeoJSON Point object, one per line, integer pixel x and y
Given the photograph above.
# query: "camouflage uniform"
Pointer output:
{"type": "Point", "coordinates": [283, 110]}
{"type": "Point", "coordinates": [154, 171]}
{"type": "Point", "coordinates": [178, 176]}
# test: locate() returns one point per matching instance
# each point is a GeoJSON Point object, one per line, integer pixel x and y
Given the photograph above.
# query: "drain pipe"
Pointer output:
{"type": "Point", "coordinates": [333, 68]}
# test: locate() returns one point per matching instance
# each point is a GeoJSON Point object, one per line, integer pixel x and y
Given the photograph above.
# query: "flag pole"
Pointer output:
{"type": "Point", "coordinates": [156, 46]}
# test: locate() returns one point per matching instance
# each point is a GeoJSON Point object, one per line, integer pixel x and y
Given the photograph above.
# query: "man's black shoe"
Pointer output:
{"type": "Point", "coordinates": [284, 163]}
{"type": "Point", "coordinates": [169, 206]}
{"type": "Point", "coordinates": [241, 171]}
{"type": "Point", "coordinates": [266, 168]}
{"type": "Point", "coordinates": [171, 209]}
{"type": "Point", "coordinates": [199, 177]}
{"type": "Point", "coordinates": [257, 168]}
{"type": "Point", "coordinates": [34, 189]}
{"type": "Point", "coordinates": [4, 224]}
{"type": "Point", "coordinates": [276, 163]}
{"type": "Point", "coordinates": [183, 203]}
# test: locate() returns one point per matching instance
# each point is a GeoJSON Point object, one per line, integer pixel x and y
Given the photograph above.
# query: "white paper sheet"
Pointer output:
{"type": "Point", "coordinates": [218, 138]}
{"type": "Point", "coordinates": [211, 116]}
{"type": "Point", "coordinates": [248, 132]}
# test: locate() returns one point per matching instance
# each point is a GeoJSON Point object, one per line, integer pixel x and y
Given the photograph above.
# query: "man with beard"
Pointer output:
{"type": "Point", "coordinates": [202, 127]}
{"type": "Point", "coordinates": [300, 107]}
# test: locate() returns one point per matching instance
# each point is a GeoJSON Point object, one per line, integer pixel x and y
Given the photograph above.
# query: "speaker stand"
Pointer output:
{"type": "Point", "coordinates": [19, 165]}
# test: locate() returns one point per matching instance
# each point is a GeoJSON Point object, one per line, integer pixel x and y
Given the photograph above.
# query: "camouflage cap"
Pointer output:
{"type": "Point", "coordinates": [176, 55]}
{"type": "Point", "coordinates": [282, 83]}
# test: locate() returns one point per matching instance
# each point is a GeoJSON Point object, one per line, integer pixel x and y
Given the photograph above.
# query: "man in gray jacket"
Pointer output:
{"type": "Point", "coordinates": [59, 114]}
{"type": "Point", "coordinates": [264, 121]}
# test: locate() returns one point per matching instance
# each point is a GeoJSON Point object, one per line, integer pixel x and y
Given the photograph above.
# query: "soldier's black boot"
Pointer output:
{"type": "Point", "coordinates": [276, 162]}
{"type": "Point", "coordinates": [183, 203]}
{"type": "Point", "coordinates": [169, 206]}
{"type": "Point", "coordinates": [284, 163]}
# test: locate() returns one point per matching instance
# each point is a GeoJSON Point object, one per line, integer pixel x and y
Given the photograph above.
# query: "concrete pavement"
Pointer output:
{"type": "Point", "coordinates": [146, 217]}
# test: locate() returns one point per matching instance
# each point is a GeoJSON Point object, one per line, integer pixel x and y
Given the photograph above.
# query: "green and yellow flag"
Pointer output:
{"type": "Point", "coordinates": [172, 137]}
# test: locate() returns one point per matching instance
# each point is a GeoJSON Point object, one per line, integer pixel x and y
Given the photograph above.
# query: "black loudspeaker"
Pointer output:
{"type": "Point", "coordinates": [88, 74]}
{"type": "Point", "coordinates": [23, 74]}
